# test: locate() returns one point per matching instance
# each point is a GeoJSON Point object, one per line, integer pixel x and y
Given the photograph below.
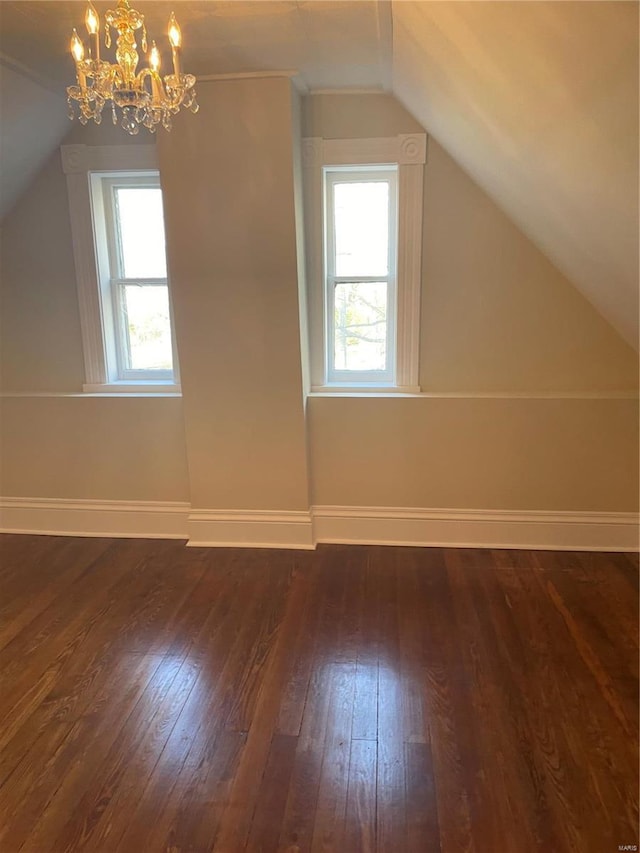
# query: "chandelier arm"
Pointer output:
{"type": "Point", "coordinates": [157, 92]}
{"type": "Point", "coordinates": [175, 94]}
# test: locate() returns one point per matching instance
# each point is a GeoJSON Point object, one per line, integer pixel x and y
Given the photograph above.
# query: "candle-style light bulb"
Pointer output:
{"type": "Point", "coordinates": [175, 34]}
{"type": "Point", "coordinates": [154, 64]}
{"type": "Point", "coordinates": [77, 48]}
{"type": "Point", "coordinates": [92, 21]}
{"type": "Point", "coordinates": [175, 37]}
{"type": "Point", "coordinates": [154, 58]}
{"type": "Point", "coordinates": [77, 51]}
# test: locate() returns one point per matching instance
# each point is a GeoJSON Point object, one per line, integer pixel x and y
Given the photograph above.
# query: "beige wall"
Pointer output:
{"type": "Point", "coordinates": [116, 448]}
{"type": "Point", "coordinates": [40, 342]}
{"type": "Point", "coordinates": [502, 454]}
{"type": "Point", "coordinates": [355, 116]}
{"type": "Point", "coordinates": [227, 180]}
{"type": "Point", "coordinates": [496, 316]}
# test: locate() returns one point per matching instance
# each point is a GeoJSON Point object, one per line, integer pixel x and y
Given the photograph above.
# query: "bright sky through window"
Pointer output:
{"type": "Point", "coordinates": [362, 228]}
{"type": "Point", "coordinates": [141, 232]}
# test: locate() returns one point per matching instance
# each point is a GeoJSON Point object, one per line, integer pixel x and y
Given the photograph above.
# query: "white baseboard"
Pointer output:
{"type": "Point", "coordinates": [257, 529]}
{"type": "Point", "coordinates": [571, 531]}
{"type": "Point", "coordinates": [119, 519]}
{"type": "Point", "coordinates": [580, 531]}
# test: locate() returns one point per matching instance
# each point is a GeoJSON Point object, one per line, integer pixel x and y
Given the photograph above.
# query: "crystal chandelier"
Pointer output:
{"type": "Point", "coordinates": [142, 99]}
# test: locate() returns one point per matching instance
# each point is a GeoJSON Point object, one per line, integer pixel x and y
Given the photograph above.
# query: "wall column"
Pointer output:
{"type": "Point", "coordinates": [227, 178]}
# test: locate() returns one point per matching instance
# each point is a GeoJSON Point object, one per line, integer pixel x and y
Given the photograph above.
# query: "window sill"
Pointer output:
{"type": "Point", "coordinates": [143, 388]}
{"type": "Point", "coordinates": [363, 390]}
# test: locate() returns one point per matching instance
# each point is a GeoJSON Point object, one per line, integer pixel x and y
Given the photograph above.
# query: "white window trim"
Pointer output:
{"type": "Point", "coordinates": [78, 162]}
{"type": "Point", "coordinates": [408, 152]}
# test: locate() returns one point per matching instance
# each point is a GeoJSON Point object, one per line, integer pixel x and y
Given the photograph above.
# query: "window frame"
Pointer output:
{"type": "Point", "coordinates": [333, 175]}
{"type": "Point", "coordinates": [86, 168]}
{"type": "Point", "coordinates": [406, 152]}
{"type": "Point", "coordinates": [111, 269]}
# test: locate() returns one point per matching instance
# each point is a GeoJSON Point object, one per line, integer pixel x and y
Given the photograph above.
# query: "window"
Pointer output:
{"type": "Point", "coordinates": [360, 211]}
{"type": "Point", "coordinates": [128, 221]}
{"type": "Point", "coordinates": [117, 225]}
{"type": "Point", "coordinates": [363, 214]}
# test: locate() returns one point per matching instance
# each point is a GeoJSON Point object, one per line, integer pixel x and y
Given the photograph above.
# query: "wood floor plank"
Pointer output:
{"type": "Point", "coordinates": [513, 807]}
{"type": "Point", "coordinates": [202, 786]}
{"type": "Point", "coordinates": [423, 828]}
{"type": "Point", "coordinates": [175, 688]}
{"type": "Point", "coordinates": [28, 795]}
{"type": "Point", "coordinates": [365, 699]}
{"type": "Point", "coordinates": [159, 699]}
{"type": "Point", "coordinates": [296, 832]}
{"type": "Point", "coordinates": [412, 643]}
{"type": "Point", "coordinates": [390, 788]}
{"type": "Point", "coordinates": [67, 687]}
{"type": "Point", "coordinates": [64, 624]}
{"type": "Point", "coordinates": [567, 691]}
{"type": "Point", "coordinates": [304, 647]}
{"type": "Point", "coordinates": [554, 752]}
{"type": "Point", "coordinates": [329, 821]}
{"type": "Point", "coordinates": [461, 819]}
{"type": "Point", "coordinates": [360, 816]}
{"type": "Point", "coordinates": [29, 596]}
{"type": "Point", "coordinates": [221, 641]}
{"type": "Point", "coordinates": [236, 821]}
{"type": "Point", "coordinates": [272, 797]}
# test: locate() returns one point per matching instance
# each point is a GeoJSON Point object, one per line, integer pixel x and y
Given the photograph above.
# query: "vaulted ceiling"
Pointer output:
{"type": "Point", "coordinates": [538, 101]}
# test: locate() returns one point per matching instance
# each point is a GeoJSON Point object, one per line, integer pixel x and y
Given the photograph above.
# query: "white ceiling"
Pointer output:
{"type": "Point", "coordinates": [331, 44]}
{"type": "Point", "coordinates": [538, 101]}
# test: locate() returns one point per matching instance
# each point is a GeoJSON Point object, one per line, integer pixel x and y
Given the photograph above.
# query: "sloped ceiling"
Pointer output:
{"type": "Point", "coordinates": [538, 101]}
{"type": "Point", "coordinates": [34, 121]}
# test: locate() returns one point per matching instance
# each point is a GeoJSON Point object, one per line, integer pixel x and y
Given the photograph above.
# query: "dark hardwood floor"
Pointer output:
{"type": "Point", "coordinates": [162, 698]}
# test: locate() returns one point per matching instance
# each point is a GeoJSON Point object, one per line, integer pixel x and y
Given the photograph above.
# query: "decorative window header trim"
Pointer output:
{"type": "Point", "coordinates": [406, 149]}
{"type": "Point", "coordinates": [81, 159]}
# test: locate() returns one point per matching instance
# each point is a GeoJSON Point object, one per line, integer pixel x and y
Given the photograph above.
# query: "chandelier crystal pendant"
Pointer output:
{"type": "Point", "coordinates": [138, 99]}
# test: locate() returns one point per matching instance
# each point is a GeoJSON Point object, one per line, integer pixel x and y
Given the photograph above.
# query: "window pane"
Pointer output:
{"type": "Point", "coordinates": [361, 213]}
{"type": "Point", "coordinates": [360, 341]}
{"type": "Point", "coordinates": [141, 226]}
{"type": "Point", "coordinates": [147, 324]}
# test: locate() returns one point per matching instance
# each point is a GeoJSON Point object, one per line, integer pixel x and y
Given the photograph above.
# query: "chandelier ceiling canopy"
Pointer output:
{"type": "Point", "coordinates": [144, 98]}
